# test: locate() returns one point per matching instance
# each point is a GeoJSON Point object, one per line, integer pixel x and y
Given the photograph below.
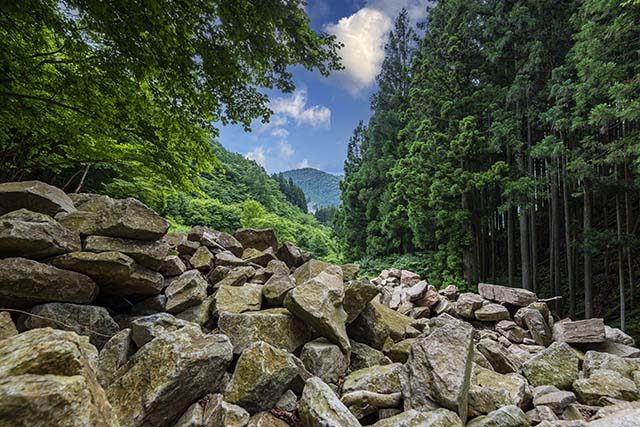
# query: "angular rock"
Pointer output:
{"type": "Point", "coordinates": [261, 258]}
{"type": "Point", "coordinates": [24, 283]}
{"type": "Point", "coordinates": [579, 332]}
{"type": "Point", "coordinates": [214, 239]}
{"type": "Point", "coordinates": [318, 301]}
{"type": "Point", "coordinates": [228, 259]}
{"type": "Point", "coordinates": [288, 401]}
{"type": "Point", "coordinates": [324, 360]}
{"type": "Point", "coordinates": [187, 290]}
{"type": "Point", "coordinates": [618, 349]}
{"type": "Point", "coordinates": [413, 418]}
{"type": "Point", "coordinates": [115, 273]}
{"type": "Point", "coordinates": [616, 335]}
{"type": "Point", "coordinates": [320, 407]}
{"type": "Point", "coordinates": [202, 259]}
{"type": "Point", "coordinates": [467, 304]}
{"type": "Point", "coordinates": [558, 401]}
{"type": "Point", "coordinates": [257, 239]}
{"type": "Point", "coordinates": [35, 196]}
{"type": "Point", "coordinates": [145, 329]}
{"type": "Point", "coordinates": [501, 358]}
{"type": "Point", "coordinates": [350, 271]}
{"type": "Point", "coordinates": [115, 353]}
{"type": "Point", "coordinates": [276, 288]}
{"type": "Point", "coordinates": [276, 326]}
{"type": "Point", "coordinates": [492, 313]}
{"type": "Point", "coordinates": [536, 324]}
{"type": "Point", "coordinates": [92, 321]}
{"type": "Point", "coordinates": [376, 323]}
{"type": "Point", "coordinates": [439, 370]}
{"type": "Point", "coordinates": [217, 412]}
{"type": "Point", "coordinates": [508, 416]}
{"type": "Point", "coordinates": [166, 375]}
{"type": "Point", "coordinates": [510, 330]}
{"type": "Point", "coordinates": [266, 419]}
{"type": "Point", "coordinates": [362, 403]}
{"type": "Point", "coordinates": [148, 254]}
{"type": "Point", "coordinates": [490, 391]}
{"type": "Point", "coordinates": [47, 377]}
{"type": "Point", "coordinates": [201, 313]}
{"type": "Point", "coordinates": [238, 299]}
{"type": "Point", "coordinates": [626, 418]}
{"type": "Point", "coordinates": [151, 305]}
{"type": "Point", "coordinates": [313, 268]}
{"type": "Point", "coordinates": [263, 373]}
{"type": "Point", "coordinates": [378, 379]}
{"type": "Point", "coordinates": [35, 236]}
{"type": "Point", "coordinates": [357, 293]}
{"type": "Point", "coordinates": [594, 360]}
{"type": "Point", "coordinates": [363, 356]}
{"type": "Point", "coordinates": [557, 365]}
{"type": "Point", "coordinates": [172, 266]}
{"type": "Point", "coordinates": [604, 384]}
{"type": "Point", "coordinates": [236, 277]}
{"type": "Point", "coordinates": [7, 327]}
{"type": "Point", "coordinates": [503, 294]}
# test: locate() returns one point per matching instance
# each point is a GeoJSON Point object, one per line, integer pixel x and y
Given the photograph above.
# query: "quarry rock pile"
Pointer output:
{"type": "Point", "coordinates": [108, 319]}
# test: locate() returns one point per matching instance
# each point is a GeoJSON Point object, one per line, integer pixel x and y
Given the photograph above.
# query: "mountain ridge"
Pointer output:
{"type": "Point", "coordinates": [321, 188]}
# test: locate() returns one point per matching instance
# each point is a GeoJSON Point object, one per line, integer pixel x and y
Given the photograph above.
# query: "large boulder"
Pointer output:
{"type": "Point", "coordinates": [276, 326]}
{"type": "Point", "coordinates": [290, 254]}
{"type": "Point", "coordinates": [24, 283]}
{"type": "Point", "coordinates": [324, 360]}
{"type": "Point", "coordinates": [625, 418]}
{"type": "Point", "coordinates": [7, 327]}
{"type": "Point", "coordinates": [257, 239]}
{"type": "Point", "coordinates": [357, 294]}
{"type": "Point", "coordinates": [144, 329]}
{"type": "Point", "coordinates": [148, 254]}
{"type": "Point", "coordinates": [492, 313]}
{"type": "Point", "coordinates": [413, 418]}
{"type": "Point", "coordinates": [604, 383]}
{"type": "Point", "coordinates": [263, 373]}
{"type": "Point", "coordinates": [594, 360]}
{"type": "Point", "coordinates": [313, 268]}
{"type": "Point", "coordinates": [537, 325]}
{"type": "Point", "coordinates": [383, 379]}
{"type": "Point", "coordinates": [320, 407]}
{"type": "Point", "coordinates": [92, 321]}
{"type": "Point", "coordinates": [35, 196]}
{"type": "Point", "coordinates": [377, 322]}
{"type": "Point", "coordinates": [507, 416]}
{"type": "Point", "coordinates": [47, 378]}
{"type": "Point", "coordinates": [237, 299]}
{"type": "Point", "coordinates": [168, 374]}
{"type": "Point", "coordinates": [34, 235]}
{"type": "Point", "coordinates": [439, 370]}
{"type": "Point", "coordinates": [318, 301]}
{"type": "Point", "coordinates": [503, 294]}
{"type": "Point", "coordinates": [115, 272]}
{"type": "Point", "coordinates": [187, 290]}
{"type": "Point", "coordinates": [363, 356]}
{"type": "Point", "coordinates": [556, 365]}
{"type": "Point", "coordinates": [490, 391]}
{"type": "Point", "coordinates": [104, 216]}
{"type": "Point", "coordinates": [276, 288]}
{"type": "Point", "coordinates": [579, 332]}
{"type": "Point", "coordinates": [115, 353]}
{"type": "Point", "coordinates": [214, 239]}
{"type": "Point", "coordinates": [467, 304]}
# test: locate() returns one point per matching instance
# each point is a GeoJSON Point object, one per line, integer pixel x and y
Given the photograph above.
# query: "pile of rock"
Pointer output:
{"type": "Point", "coordinates": [110, 321]}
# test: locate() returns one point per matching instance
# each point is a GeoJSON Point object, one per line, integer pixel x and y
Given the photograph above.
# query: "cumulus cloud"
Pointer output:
{"type": "Point", "coordinates": [295, 107]}
{"type": "Point", "coordinates": [285, 150]}
{"type": "Point", "coordinates": [280, 133]}
{"type": "Point", "coordinates": [303, 164]}
{"type": "Point", "coordinates": [258, 156]}
{"type": "Point", "coordinates": [364, 34]}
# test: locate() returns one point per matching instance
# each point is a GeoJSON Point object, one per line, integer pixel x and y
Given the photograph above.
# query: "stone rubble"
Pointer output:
{"type": "Point", "coordinates": [128, 325]}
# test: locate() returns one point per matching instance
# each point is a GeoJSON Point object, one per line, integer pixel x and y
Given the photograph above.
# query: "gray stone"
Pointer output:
{"type": "Point", "coordinates": [202, 259]}
{"type": "Point", "coordinates": [236, 277]}
{"type": "Point", "coordinates": [115, 273]}
{"type": "Point", "coordinates": [115, 353]}
{"type": "Point", "coordinates": [313, 268]}
{"type": "Point", "coordinates": [378, 379]}
{"type": "Point", "coordinates": [503, 294]}
{"type": "Point", "coordinates": [618, 336]}
{"type": "Point", "coordinates": [217, 412]}
{"type": "Point", "coordinates": [357, 294]}
{"type": "Point", "coordinates": [626, 418]}
{"type": "Point", "coordinates": [318, 301]}
{"type": "Point", "coordinates": [238, 299]}
{"type": "Point", "coordinates": [187, 290]}
{"type": "Point", "coordinates": [276, 326]}
{"type": "Point", "coordinates": [467, 304]}
{"type": "Point", "coordinates": [320, 407]}
{"type": "Point", "coordinates": [148, 254]}
{"type": "Point", "coordinates": [324, 360]}
{"type": "Point", "coordinates": [263, 373]}
{"type": "Point", "coordinates": [557, 365]}
{"type": "Point", "coordinates": [508, 416]}
{"type": "Point", "coordinates": [151, 305]}
{"type": "Point", "coordinates": [500, 356]}
{"type": "Point", "coordinates": [261, 258]}
{"type": "Point", "coordinates": [214, 238]}
{"type": "Point", "coordinates": [167, 375]}
{"type": "Point", "coordinates": [88, 320]}
{"type": "Point", "coordinates": [558, 401]}
{"type": "Point", "coordinates": [363, 356]}
{"type": "Point", "coordinates": [492, 313]}
{"type": "Point", "coordinates": [490, 391]}
{"type": "Point", "coordinates": [24, 283]}
{"type": "Point", "coordinates": [413, 418]}
{"type": "Point", "coordinates": [34, 235]}
{"type": "Point", "coordinates": [145, 329]}
{"type": "Point", "coordinates": [594, 360]}
{"type": "Point", "coordinates": [172, 266]}
{"type": "Point", "coordinates": [290, 254]}
{"type": "Point", "coordinates": [510, 330]}
{"type": "Point", "coordinates": [35, 196]}
{"type": "Point", "coordinates": [276, 288]}
{"type": "Point", "coordinates": [537, 325]}
{"type": "Point", "coordinates": [200, 314]}
{"type": "Point", "coordinates": [605, 384]}
{"type": "Point", "coordinates": [257, 239]}
{"type": "Point", "coordinates": [228, 259]}
{"type": "Point", "coordinates": [7, 327]}
{"type": "Point", "coordinates": [439, 370]}
{"type": "Point", "coordinates": [579, 331]}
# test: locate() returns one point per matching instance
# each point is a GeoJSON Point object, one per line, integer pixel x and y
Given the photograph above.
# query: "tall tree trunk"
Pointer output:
{"type": "Point", "coordinates": [569, 245]}
{"type": "Point", "coordinates": [620, 263]}
{"type": "Point", "coordinates": [588, 266]}
{"type": "Point", "coordinates": [627, 206]}
{"type": "Point", "coordinates": [468, 251]}
{"type": "Point", "coordinates": [511, 257]}
{"type": "Point", "coordinates": [524, 249]}
{"type": "Point", "coordinates": [555, 235]}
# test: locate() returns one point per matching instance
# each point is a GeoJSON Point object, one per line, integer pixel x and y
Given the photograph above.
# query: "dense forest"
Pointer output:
{"type": "Point", "coordinates": [503, 147]}
{"type": "Point", "coordinates": [126, 99]}
{"type": "Point", "coordinates": [321, 188]}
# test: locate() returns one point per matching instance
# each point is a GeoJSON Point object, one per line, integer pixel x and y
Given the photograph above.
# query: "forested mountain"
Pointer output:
{"type": "Point", "coordinates": [321, 188]}
{"type": "Point", "coordinates": [503, 147]}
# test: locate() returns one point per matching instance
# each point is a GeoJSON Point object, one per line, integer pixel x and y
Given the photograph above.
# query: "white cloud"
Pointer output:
{"type": "Point", "coordinates": [258, 155]}
{"type": "Point", "coordinates": [285, 150]}
{"type": "Point", "coordinates": [363, 35]}
{"type": "Point", "coordinates": [303, 164]}
{"type": "Point", "coordinates": [280, 133]}
{"type": "Point", "coordinates": [295, 106]}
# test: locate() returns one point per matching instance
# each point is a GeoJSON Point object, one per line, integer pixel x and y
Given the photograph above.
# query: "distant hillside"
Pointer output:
{"type": "Point", "coordinates": [321, 188]}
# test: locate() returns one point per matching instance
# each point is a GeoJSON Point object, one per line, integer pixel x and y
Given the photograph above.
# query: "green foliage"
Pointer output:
{"type": "Point", "coordinates": [291, 191]}
{"type": "Point", "coordinates": [320, 188]}
{"type": "Point", "coordinates": [326, 215]}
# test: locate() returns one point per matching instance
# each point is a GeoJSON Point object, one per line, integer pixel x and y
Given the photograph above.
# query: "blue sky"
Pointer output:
{"type": "Point", "coordinates": [311, 127]}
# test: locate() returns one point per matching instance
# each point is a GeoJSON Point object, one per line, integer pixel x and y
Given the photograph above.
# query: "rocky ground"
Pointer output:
{"type": "Point", "coordinates": [108, 320]}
